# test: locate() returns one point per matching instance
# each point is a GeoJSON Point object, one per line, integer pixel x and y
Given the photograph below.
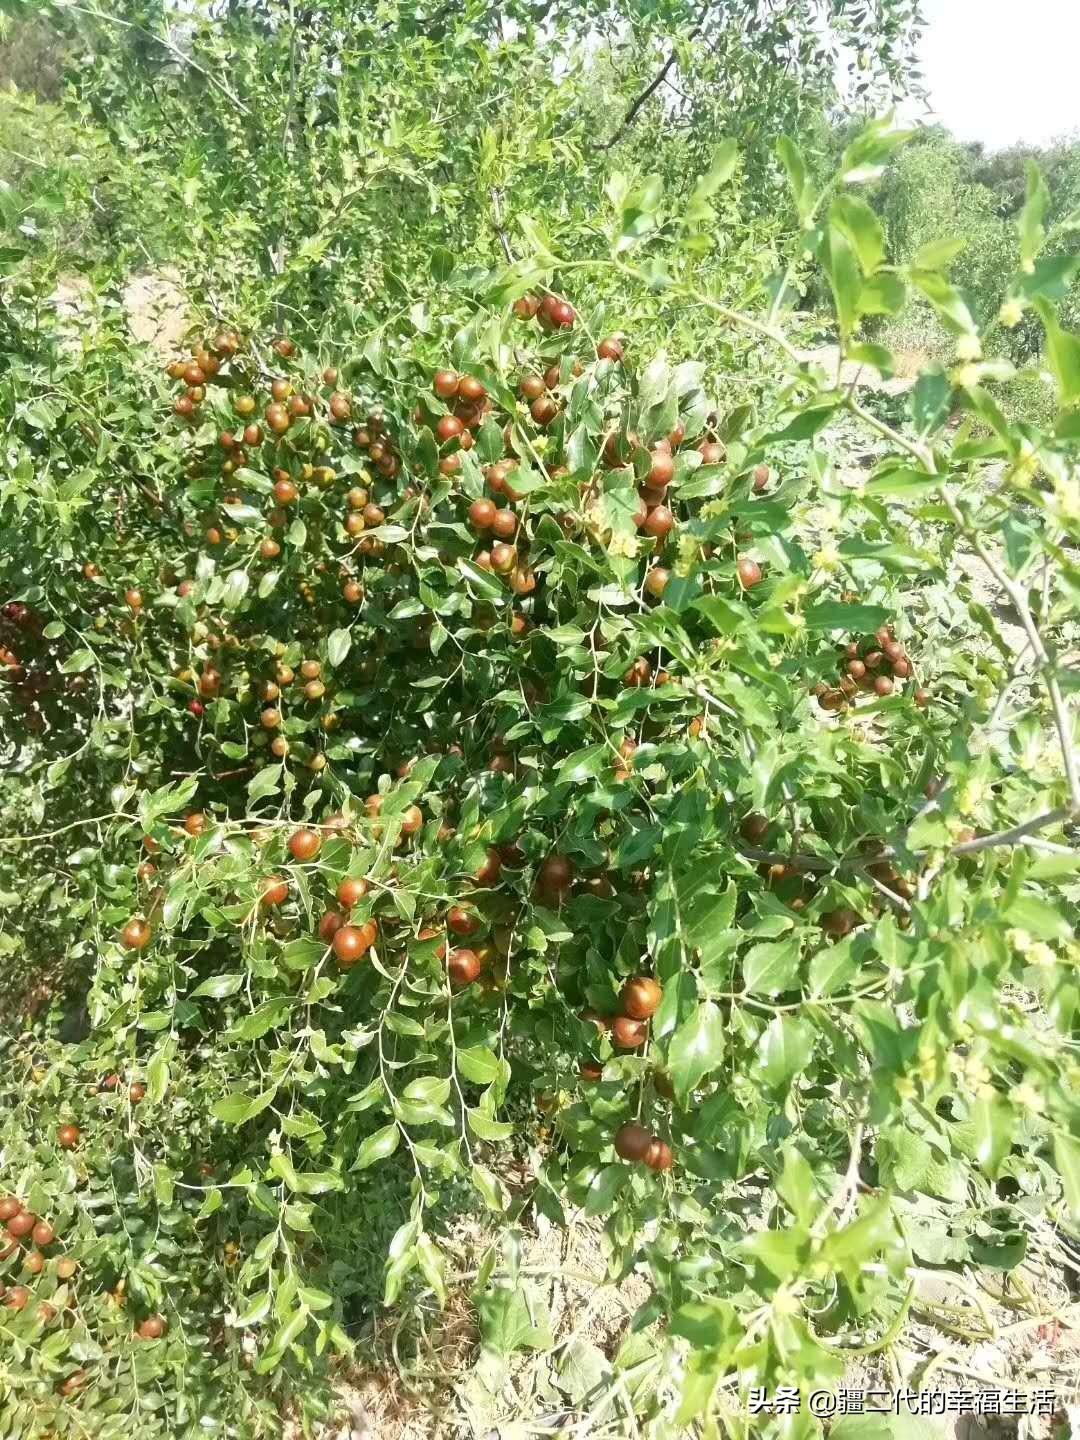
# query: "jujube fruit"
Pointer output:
{"type": "Point", "coordinates": [632, 1142]}
{"type": "Point", "coordinates": [840, 922]}
{"type": "Point", "coordinates": [482, 514]}
{"type": "Point", "coordinates": [656, 581]}
{"type": "Point", "coordinates": [461, 921]}
{"type": "Point", "coordinates": [754, 828]}
{"type": "Point", "coordinates": [628, 1033]}
{"type": "Point", "coordinates": [350, 943]}
{"type": "Point", "coordinates": [662, 470]}
{"type": "Point", "coordinates": [659, 522]}
{"type": "Point", "coordinates": [641, 997]}
{"type": "Point", "coordinates": [304, 844]}
{"type": "Point", "coordinates": [659, 1156]}
{"type": "Point", "coordinates": [329, 925]}
{"type": "Point", "coordinates": [352, 890]}
{"type": "Point", "coordinates": [749, 573]}
{"type": "Point", "coordinates": [136, 934]}
{"type": "Point", "coordinates": [463, 967]}
{"type": "Point", "coordinates": [275, 891]}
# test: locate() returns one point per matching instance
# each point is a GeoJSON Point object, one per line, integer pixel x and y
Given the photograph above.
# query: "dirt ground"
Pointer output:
{"type": "Point", "coordinates": [966, 1331]}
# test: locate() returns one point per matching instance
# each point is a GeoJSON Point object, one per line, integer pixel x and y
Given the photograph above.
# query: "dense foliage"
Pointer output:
{"type": "Point", "coordinates": [454, 701]}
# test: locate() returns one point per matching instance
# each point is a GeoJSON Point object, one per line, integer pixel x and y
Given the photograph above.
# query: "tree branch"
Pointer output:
{"type": "Point", "coordinates": [500, 229]}
{"type": "Point", "coordinates": [176, 53]}
{"type": "Point", "coordinates": [816, 864]}
{"type": "Point", "coordinates": [650, 90]}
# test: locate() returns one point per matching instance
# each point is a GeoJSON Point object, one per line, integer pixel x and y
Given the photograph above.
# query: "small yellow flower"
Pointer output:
{"type": "Point", "coordinates": [966, 377]}
{"type": "Point", "coordinates": [1027, 1096]}
{"type": "Point", "coordinates": [1041, 956]}
{"type": "Point", "coordinates": [1067, 495]}
{"type": "Point", "coordinates": [1011, 313]}
{"type": "Point", "coordinates": [972, 796]}
{"type": "Point", "coordinates": [1020, 940]}
{"type": "Point", "coordinates": [827, 558]}
{"type": "Point", "coordinates": [969, 347]}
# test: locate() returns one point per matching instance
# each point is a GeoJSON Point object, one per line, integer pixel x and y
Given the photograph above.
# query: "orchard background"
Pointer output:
{"type": "Point", "coordinates": [551, 706]}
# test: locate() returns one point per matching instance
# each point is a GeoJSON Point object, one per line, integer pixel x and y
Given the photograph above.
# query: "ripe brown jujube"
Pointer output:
{"type": "Point", "coordinates": [632, 1142]}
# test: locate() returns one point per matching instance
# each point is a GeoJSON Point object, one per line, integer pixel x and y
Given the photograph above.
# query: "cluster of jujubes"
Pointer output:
{"type": "Point", "coordinates": [872, 666]}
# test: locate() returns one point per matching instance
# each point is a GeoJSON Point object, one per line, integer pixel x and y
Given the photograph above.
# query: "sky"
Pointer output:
{"type": "Point", "coordinates": [1001, 71]}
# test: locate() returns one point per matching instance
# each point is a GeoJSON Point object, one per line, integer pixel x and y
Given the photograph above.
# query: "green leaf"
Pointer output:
{"type": "Point", "coordinates": [513, 1318]}
{"type": "Point", "coordinates": [582, 1369]}
{"type": "Point", "coordinates": [725, 156]}
{"type": "Point", "coordinates": [264, 781]}
{"type": "Point", "coordinates": [236, 1108]}
{"type": "Point", "coordinates": [1030, 223]}
{"type": "Point", "coordinates": [378, 1146]}
{"type": "Point", "coordinates": [902, 483]}
{"type": "Point", "coordinates": [785, 1050]}
{"type": "Point", "coordinates": [584, 764]}
{"type": "Point", "coordinates": [929, 400]}
{"type": "Point", "coordinates": [772, 966]}
{"type": "Point", "coordinates": [485, 1128]}
{"type": "Point", "coordinates": [802, 191]}
{"type": "Point", "coordinates": [338, 644]}
{"type": "Point", "coordinates": [946, 300]}
{"type": "Point", "coordinates": [217, 987]}
{"type": "Point", "coordinates": [427, 1090]}
{"type": "Point", "coordinates": [835, 615]}
{"type": "Point", "coordinates": [491, 1189]}
{"type": "Point", "coordinates": [796, 1186]}
{"type": "Point", "coordinates": [696, 1048]}
{"type": "Point", "coordinates": [236, 587]}
{"type": "Point", "coordinates": [862, 228]}
{"type": "Point", "coordinates": [263, 1018]}
{"type": "Point", "coordinates": [432, 1265]}
{"type": "Point", "coordinates": [165, 799]}
{"type": "Point", "coordinates": [1062, 354]}
{"type": "Point", "coordinates": [1067, 1160]}
{"type": "Point", "coordinates": [884, 294]}
{"type": "Point", "coordinates": [805, 425]}
{"type": "Point", "coordinates": [938, 254]}
{"type": "Point", "coordinates": [841, 267]}
{"type": "Point", "coordinates": [866, 156]}
{"type": "Point", "coordinates": [832, 968]}
{"type": "Point", "coordinates": [1038, 917]}
{"type": "Point", "coordinates": [77, 662]}
{"type": "Point", "coordinates": [478, 1064]}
